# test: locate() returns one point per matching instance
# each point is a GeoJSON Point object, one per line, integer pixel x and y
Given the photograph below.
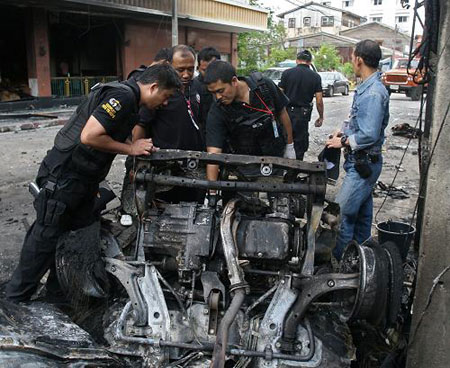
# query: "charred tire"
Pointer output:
{"type": "Point", "coordinates": [345, 93]}
{"type": "Point", "coordinates": [370, 299]}
{"type": "Point", "coordinates": [378, 312]}
{"type": "Point", "coordinates": [395, 282]}
{"type": "Point", "coordinates": [79, 266]}
{"type": "Point", "coordinates": [361, 259]}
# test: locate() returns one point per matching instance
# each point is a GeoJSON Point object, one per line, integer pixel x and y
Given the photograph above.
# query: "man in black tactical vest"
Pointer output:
{"type": "Point", "coordinates": [248, 117]}
{"type": "Point", "coordinates": [80, 159]}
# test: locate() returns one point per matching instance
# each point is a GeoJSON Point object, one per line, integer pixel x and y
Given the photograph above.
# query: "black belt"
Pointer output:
{"type": "Point", "coordinates": [361, 154]}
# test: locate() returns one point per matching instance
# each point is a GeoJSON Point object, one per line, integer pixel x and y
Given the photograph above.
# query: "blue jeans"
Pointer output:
{"type": "Point", "coordinates": [356, 203]}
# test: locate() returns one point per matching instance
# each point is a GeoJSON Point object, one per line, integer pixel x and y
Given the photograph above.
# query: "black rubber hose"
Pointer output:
{"type": "Point", "coordinates": [222, 336]}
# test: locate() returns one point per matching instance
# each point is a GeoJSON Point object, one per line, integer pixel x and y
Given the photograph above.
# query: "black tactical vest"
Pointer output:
{"type": "Point", "coordinates": [257, 133]}
{"type": "Point", "coordinates": [84, 159]}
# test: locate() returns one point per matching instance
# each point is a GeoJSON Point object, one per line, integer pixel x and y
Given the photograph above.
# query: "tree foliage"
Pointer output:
{"type": "Point", "coordinates": [347, 70]}
{"type": "Point", "coordinates": [327, 58]}
{"type": "Point", "coordinates": [259, 50]}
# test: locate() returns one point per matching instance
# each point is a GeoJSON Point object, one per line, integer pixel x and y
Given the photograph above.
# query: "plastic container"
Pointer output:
{"type": "Point", "coordinates": [397, 232]}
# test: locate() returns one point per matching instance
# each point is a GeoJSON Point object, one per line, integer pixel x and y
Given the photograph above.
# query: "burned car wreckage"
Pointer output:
{"type": "Point", "coordinates": [237, 283]}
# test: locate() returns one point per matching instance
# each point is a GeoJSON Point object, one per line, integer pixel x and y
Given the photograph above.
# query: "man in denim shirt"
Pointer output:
{"type": "Point", "coordinates": [362, 137]}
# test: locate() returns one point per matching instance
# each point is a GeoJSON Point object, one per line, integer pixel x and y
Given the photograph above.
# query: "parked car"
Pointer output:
{"type": "Point", "coordinates": [399, 81]}
{"type": "Point", "coordinates": [334, 82]}
{"type": "Point", "coordinates": [292, 63]}
{"type": "Point", "coordinates": [274, 73]}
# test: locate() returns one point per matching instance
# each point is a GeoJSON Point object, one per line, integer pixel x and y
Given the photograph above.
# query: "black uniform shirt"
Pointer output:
{"type": "Point", "coordinates": [171, 126]}
{"type": "Point", "coordinates": [300, 84]}
{"type": "Point", "coordinates": [219, 117]}
{"type": "Point", "coordinates": [206, 99]}
{"type": "Point", "coordinates": [117, 111]}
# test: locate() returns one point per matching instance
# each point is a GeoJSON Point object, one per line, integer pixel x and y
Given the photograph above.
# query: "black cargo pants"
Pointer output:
{"type": "Point", "coordinates": [65, 203]}
{"type": "Point", "coordinates": [300, 117]}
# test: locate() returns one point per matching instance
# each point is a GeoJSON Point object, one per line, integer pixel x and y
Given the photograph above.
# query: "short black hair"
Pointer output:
{"type": "Point", "coordinates": [304, 55]}
{"type": "Point", "coordinates": [137, 72]}
{"type": "Point", "coordinates": [219, 70]}
{"type": "Point", "coordinates": [163, 54]}
{"type": "Point", "coordinates": [184, 49]}
{"type": "Point", "coordinates": [163, 74]}
{"type": "Point", "coordinates": [369, 51]}
{"type": "Point", "coordinates": [207, 54]}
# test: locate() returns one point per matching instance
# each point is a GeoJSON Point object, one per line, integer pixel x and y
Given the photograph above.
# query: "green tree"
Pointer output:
{"type": "Point", "coordinates": [259, 50]}
{"type": "Point", "coordinates": [327, 58]}
{"type": "Point", "coordinates": [347, 70]}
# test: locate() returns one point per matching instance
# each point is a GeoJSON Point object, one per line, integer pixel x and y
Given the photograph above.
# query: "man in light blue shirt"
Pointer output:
{"type": "Point", "coordinates": [362, 137]}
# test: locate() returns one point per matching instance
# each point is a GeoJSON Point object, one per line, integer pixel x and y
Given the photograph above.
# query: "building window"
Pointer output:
{"type": "Point", "coordinates": [377, 2]}
{"type": "Point", "coordinates": [347, 3]}
{"type": "Point", "coordinates": [307, 22]}
{"type": "Point", "coordinates": [402, 19]}
{"type": "Point", "coordinates": [291, 23]}
{"type": "Point", "coordinates": [376, 19]}
{"type": "Point", "coordinates": [326, 3]}
{"type": "Point", "coordinates": [327, 21]}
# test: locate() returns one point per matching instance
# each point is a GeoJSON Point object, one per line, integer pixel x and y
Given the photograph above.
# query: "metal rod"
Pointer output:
{"type": "Point", "coordinates": [174, 23]}
{"type": "Point", "coordinates": [300, 188]}
{"type": "Point", "coordinates": [261, 298]}
{"type": "Point", "coordinates": [208, 346]}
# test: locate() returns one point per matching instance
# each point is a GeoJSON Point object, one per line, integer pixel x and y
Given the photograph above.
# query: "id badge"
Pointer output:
{"type": "Point", "coordinates": [275, 129]}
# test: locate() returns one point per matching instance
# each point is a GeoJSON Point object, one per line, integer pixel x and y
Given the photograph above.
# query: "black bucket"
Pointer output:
{"type": "Point", "coordinates": [397, 232]}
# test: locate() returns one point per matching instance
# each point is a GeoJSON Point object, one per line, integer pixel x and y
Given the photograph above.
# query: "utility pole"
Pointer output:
{"type": "Point", "coordinates": [394, 49]}
{"type": "Point", "coordinates": [174, 23]}
{"type": "Point", "coordinates": [430, 336]}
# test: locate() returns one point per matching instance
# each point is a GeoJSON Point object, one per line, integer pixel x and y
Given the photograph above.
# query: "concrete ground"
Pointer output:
{"type": "Point", "coordinates": [21, 152]}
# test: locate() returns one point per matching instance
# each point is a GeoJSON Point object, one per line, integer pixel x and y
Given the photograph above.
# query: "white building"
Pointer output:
{"type": "Point", "coordinates": [313, 17]}
{"type": "Point", "coordinates": [390, 12]}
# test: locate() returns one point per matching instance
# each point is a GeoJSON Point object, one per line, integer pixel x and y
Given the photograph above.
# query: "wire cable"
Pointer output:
{"type": "Point", "coordinates": [398, 167]}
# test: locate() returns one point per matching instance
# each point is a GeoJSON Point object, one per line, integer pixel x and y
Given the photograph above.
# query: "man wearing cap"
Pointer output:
{"type": "Point", "coordinates": [301, 84]}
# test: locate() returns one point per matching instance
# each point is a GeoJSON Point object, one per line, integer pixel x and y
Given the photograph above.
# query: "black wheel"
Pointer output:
{"type": "Point", "coordinates": [331, 92]}
{"type": "Point", "coordinates": [345, 93]}
{"type": "Point", "coordinates": [395, 282]}
{"type": "Point", "coordinates": [378, 312]}
{"type": "Point", "coordinates": [368, 302]}
{"type": "Point", "coordinates": [415, 93]}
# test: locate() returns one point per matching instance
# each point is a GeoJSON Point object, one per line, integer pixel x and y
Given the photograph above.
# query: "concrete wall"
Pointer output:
{"type": "Point", "coordinates": [38, 53]}
{"type": "Point", "coordinates": [430, 331]}
{"type": "Point", "coordinates": [143, 40]}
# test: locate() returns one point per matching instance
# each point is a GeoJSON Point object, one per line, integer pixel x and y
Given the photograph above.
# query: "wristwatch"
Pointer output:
{"type": "Point", "coordinates": [344, 140]}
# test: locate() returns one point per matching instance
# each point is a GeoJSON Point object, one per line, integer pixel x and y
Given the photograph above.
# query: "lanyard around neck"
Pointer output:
{"type": "Point", "coordinates": [189, 108]}
{"type": "Point", "coordinates": [267, 110]}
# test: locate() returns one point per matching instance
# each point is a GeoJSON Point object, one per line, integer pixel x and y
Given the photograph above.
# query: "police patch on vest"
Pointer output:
{"type": "Point", "coordinates": [115, 104]}
{"type": "Point", "coordinates": [109, 110]}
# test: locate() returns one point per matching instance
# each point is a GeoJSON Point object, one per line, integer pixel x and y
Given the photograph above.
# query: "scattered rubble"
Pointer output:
{"type": "Point", "coordinates": [406, 130]}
